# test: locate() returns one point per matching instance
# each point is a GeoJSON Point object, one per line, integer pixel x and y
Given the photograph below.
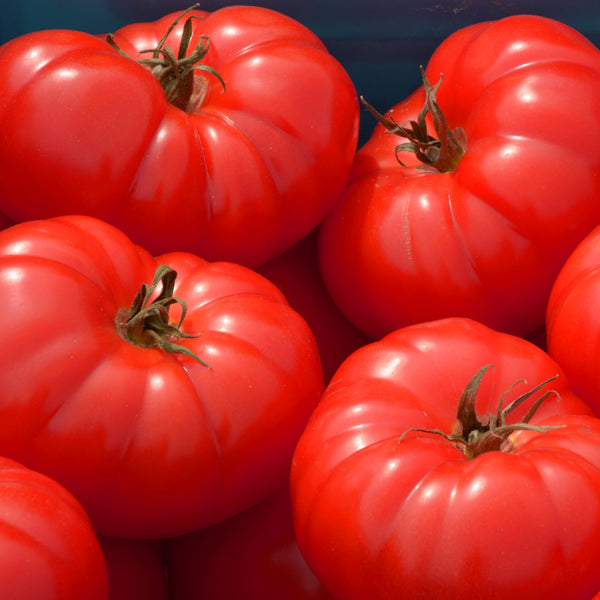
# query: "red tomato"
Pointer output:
{"type": "Point", "coordinates": [253, 555]}
{"type": "Point", "coordinates": [239, 173]}
{"type": "Point", "coordinates": [296, 274]}
{"type": "Point", "coordinates": [48, 548]}
{"type": "Point", "coordinates": [153, 443]}
{"type": "Point", "coordinates": [486, 236]}
{"type": "Point", "coordinates": [383, 509]}
{"type": "Point", "coordinates": [573, 322]}
{"type": "Point", "coordinates": [136, 569]}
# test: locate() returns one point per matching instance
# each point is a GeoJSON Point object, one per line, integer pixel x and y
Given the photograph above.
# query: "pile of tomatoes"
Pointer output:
{"type": "Point", "coordinates": [243, 357]}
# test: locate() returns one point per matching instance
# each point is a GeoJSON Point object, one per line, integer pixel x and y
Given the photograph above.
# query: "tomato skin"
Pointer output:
{"type": "Point", "coordinates": [296, 274]}
{"type": "Point", "coordinates": [241, 177]}
{"type": "Point", "coordinates": [48, 548]}
{"type": "Point", "coordinates": [485, 240]}
{"type": "Point", "coordinates": [151, 443]}
{"type": "Point", "coordinates": [381, 517]}
{"type": "Point", "coordinates": [572, 320]}
{"type": "Point", "coordinates": [252, 555]}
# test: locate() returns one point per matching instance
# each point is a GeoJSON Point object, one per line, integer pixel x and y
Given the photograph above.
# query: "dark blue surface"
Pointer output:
{"type": "Point", "coordinates": [381, 43]}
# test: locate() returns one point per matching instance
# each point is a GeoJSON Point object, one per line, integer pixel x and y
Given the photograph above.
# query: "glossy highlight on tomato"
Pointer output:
{"type": "Point", "coordinates": [253, 161]}
{"type": "Point", "coordinates": [573, 319]}
{"type": "Point", "coordinates": [485, 238]}
{"type": "Point", "coordinates": [394, 496]}
{"type": "Point", "coordinates": [158, 425]}
{"type": "Point", "coordinates": [48, 547]}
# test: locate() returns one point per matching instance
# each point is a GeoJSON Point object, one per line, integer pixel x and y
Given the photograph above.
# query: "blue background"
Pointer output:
{"type": "Point", "coordinates": [381, 43]}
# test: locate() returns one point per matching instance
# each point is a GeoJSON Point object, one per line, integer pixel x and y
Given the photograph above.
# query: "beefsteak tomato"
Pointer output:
{"type": "Point", "coordinates": [48, 547]}
{"type": "Point", "coordinates": [238, 162]}
{"type": "Point", "coordinates": [507, 183]}
{"type": "Point", "coordinates": [573, 320]}
{"type": "Point", "coordinates": [426, 473]}
{"type": "Point", "coordinates": [101, 387]}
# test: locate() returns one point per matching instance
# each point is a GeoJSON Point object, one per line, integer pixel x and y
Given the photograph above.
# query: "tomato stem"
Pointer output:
{"type": "Point", "coordinates": [441, 154]}
{"type": "Point", "coordinates": [146, 323]}
{"type": "Point", "coordinates": [176, 73]}
{"type": "Point", "coordinates": [478, 434]}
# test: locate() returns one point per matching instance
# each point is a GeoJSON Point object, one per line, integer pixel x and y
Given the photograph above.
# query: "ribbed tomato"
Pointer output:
{"type": "Point", "coordinates": [158, 425]}
{"type": "Point", "coordinates": [243, 152]}
{"type": "Point", "coordinates": [507, 184]}
{"type": "Point", "coordinates": [449, 460]}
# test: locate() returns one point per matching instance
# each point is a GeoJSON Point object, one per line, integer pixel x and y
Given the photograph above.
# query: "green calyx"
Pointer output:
{"type": "Point", "coordinates": [146, 324]}
{"type": "Point", "coordinates": [439, 154]}
{"type": "Point", "coordinates": [476, 434]}
{"type": "Point", "coordinates": [175, 73]}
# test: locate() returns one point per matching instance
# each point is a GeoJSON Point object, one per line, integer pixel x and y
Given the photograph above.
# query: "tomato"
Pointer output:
{"type": "Point", "coordinates": [135, 568]}
{"type": "Point", "coordinates": [253, 159]}
{"type": "Point", "coordinates": [398, 494]}
{"type": "Point", "coordinates": [48, 548]}
{"type": "Point", "coordinates": [155, 432]}
{"type": "Point", "coordinates": [252, 555]}
{"type": "Point", "coordinates": [481, 225]}
{"type": "Point", "coordinates": [573, 323]}
{"type": "Point", "coordinates": [296, 274]}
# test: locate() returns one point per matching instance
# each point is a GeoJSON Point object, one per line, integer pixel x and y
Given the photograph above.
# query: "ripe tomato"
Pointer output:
{"type": "Point", "coordinates": [573, 322]}
{"type": "Point", "coordinates": [114, 403]}
{"type": "Point", "coordinates": [482, 230]}
{"type": "Point", "coordinates": [48, 548]}
{"type": "Point", "coordinates": [240, 172]}
{"type": "Point", "coordinates": [253, 555]}
{"type": "Point", "coordinates": [471, 508]}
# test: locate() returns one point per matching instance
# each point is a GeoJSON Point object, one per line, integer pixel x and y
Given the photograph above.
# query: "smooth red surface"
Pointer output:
{"type": "Point", "coordinates": [378, 516]}
{"type": "Point", "coordinates": [241, 177]}
{"type": "Point", "coordinates": [486, 240]}
{"type": "Point", "coordinates": [573, 320]}
{"type": "Point", "coordinates": [151, 443]}
{"type": "Point", "coordinates": [48, 548]}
